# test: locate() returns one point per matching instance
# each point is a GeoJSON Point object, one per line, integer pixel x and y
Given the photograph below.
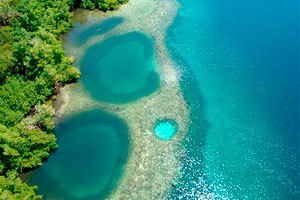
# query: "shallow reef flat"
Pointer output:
{"type": "Point", "coordinates": [152, 164]}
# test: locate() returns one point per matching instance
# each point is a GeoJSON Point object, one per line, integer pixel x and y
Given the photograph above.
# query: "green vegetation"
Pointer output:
{"type": "Point", "coordinates": [12, 187]}
{"type": "Point", "coordinates": [6, 53]}
{"type": "Point", "coordinates": [32, 64]}
{"type": "Point", "coordinates": [7, 10]}
{"type": "Point", "coordinates": [102, 4]}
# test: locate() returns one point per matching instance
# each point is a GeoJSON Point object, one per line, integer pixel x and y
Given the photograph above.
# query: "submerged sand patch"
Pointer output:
{"type": "Point", "coordinates": [152, 164]}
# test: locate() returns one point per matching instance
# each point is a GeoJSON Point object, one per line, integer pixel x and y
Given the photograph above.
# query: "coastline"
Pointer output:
{"type": "Point", "coordinates": [152, 165]}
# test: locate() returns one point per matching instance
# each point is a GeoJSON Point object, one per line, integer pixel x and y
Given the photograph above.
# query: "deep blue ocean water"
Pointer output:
{"type": "Point", "coordinates": [239, 62]}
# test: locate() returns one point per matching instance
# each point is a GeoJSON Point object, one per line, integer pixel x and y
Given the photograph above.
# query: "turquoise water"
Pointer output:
{"type": "Point", "coordinates": [120, 69]}
{"type": "Point", "coordinates": [93, 147]}
{"type": "Point", "coordinates": [240, 77]}
{"type": "Point", "coordinates": [165, 129]}
{"type": "Point", "coordinates": [83, 32]}
{"type": "Point", "coordinates": [240, 67]}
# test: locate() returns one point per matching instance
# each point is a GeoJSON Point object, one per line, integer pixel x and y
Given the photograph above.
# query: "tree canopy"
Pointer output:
{"type": "Point", "coordinates": [102, 4]}
{"type": "Point", "coordinates": [32, 64]}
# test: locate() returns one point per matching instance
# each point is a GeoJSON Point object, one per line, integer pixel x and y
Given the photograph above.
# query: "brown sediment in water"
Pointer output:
{"type": "Point", "coordinates": [152, 164]}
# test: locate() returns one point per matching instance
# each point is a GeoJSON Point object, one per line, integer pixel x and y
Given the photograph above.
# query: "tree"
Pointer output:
{"type": "Point", "coordinates": [16, 99]}
{"type": "Point", "coordinates": [52, 15]}
{"type": "Point", "coordinates": [12, 187]}
{"type": "Point", "coordinates": [6, 55]}
{"type": "Point", "coordinates": [43, 117]}
{"type": "Point", "coordinates": [7, 10]}
{"type": "Point", "coordinates": [22, 147]}
{"type": "Point", "coordinates": [102, 4]}
{"type": "Point", "coordinates": [32, 63]}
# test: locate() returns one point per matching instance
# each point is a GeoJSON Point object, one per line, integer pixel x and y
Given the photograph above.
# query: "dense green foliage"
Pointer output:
{"type": "Point", "coordinates": [6, 53]}
{"type": "Point", "coordinates": [7, 10]}
{"type": "Point", "coordinates": [24, 147]}
{"type": "Point", "coordinates": [32, 64]}
{"type": "Point", "coordinates": [12, 187]}
{"type": "Point", "coordinates": [41, 54]}
{"type": "Point", "coordinates": [53, 16]}
{"type": "Point", "coordinates": [102, 4]}
{"type": "Point", "coordinates": [16, 99]}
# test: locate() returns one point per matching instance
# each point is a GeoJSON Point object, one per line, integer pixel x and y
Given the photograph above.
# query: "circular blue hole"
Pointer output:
{"type": "Point", "coordinates": [165, 129]}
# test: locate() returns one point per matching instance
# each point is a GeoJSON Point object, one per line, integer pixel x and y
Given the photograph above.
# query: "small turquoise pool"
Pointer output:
{"type": "Point", "coordinates": [165, 129]}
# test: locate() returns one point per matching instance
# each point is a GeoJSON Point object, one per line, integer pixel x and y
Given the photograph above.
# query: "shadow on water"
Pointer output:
{"type": "Point", "coordinates": [80, 37]}
{"type": "Point", "coordinates": [191, 176]}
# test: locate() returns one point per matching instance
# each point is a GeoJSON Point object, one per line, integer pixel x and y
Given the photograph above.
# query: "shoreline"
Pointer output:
{"type": "Point", "coordinates": [152, 164]}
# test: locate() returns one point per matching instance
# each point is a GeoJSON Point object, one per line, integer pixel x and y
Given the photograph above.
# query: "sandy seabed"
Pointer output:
{"type": "Point", "coordinates": [152, 164]}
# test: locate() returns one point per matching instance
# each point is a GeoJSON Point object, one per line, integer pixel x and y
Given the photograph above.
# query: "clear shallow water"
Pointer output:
{"type": "Point", "coordinates": [83, 32]}
{"type": "Point", "coordinates": [93, 147]}
{"type": "Point", "coordinates": [240, 67]}
{"type": "Point", "coordinates": [120, 69]}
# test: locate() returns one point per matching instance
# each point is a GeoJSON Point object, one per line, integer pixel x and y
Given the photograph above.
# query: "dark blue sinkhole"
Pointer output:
{"type": "Point", "coordinates": [93, 148]}
{"type": "Point", "coordinates": [120, 69]}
